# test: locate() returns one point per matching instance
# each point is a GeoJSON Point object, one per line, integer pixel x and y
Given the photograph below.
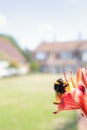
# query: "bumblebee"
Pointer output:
{"type": "Point", "coordinates": [60, 87]}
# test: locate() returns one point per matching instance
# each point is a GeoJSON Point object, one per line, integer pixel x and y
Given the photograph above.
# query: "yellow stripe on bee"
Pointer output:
{"type": "Point", "coordinates": [68, 88]}
{"type": "Point", "coordinates": [57, 83]}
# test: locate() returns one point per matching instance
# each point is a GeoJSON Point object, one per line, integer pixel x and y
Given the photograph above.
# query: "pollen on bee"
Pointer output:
{"type": "Point", "coordinates": [57, 83]}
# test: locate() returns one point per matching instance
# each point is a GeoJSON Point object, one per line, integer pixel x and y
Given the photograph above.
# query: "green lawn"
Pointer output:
{"type": "Point", "coordinates": [26, 103]}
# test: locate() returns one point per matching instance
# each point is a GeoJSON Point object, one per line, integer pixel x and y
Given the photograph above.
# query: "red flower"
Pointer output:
{"type": "Point", "coordinates": [72, 96]}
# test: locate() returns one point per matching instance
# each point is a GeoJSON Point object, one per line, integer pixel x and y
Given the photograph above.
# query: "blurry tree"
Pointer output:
{"type": "Point", "coordinates": [27, 53]}
{"type": "Point", "coordinates": [34, 66]}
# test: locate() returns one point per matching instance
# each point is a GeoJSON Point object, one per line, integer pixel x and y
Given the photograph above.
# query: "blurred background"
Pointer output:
{"type": "Point", "coordinates": [39, 40]}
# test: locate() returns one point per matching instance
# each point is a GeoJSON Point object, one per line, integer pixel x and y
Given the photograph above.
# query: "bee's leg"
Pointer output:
{"type": "Point", "coordinates": [56, 103]}
{"type": "Point", "coordinates": [56, 112]}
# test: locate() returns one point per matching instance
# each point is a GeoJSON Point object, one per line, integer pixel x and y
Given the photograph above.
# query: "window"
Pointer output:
{"type": "Point", "coordinates": [66, 55]}
{"type": "Point", "coordinates": [40, 56]}
{"type": "Point", "coordinates": [84, 56]}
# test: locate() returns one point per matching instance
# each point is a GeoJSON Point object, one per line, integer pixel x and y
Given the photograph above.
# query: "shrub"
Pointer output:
{"type": "Point", "coordinates": [34, 66]}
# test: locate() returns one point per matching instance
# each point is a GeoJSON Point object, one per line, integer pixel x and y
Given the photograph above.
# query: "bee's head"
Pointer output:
{"type": "Point", "coordinates": [60, 86]}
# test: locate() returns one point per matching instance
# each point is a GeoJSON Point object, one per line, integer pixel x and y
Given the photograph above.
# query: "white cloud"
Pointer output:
{"type": "Point", "coordinates": [3, 20]}
{"type": "Point", "coordinates": [45, 31]}
{"type": "Point", "coordinates": [45, 28]}
{"type": "Point", "coordinates": [72, 1]}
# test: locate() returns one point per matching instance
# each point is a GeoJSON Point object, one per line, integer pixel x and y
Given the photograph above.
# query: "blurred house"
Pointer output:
{"type": "Point", "coordinates": [12, 58]}
{"type": "Point", "coordinates": [57, 57]}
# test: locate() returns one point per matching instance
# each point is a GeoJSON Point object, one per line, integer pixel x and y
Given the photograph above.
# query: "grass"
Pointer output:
{"type": "Point", "coordinates": [26, 103]}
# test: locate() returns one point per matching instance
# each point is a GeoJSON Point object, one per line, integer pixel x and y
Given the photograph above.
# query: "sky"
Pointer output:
{"type": "Point", "coordinates": [32, 21]}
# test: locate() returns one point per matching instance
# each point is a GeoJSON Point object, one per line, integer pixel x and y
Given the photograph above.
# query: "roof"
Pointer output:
{"type": "Point", "coordinates": [61, 46]}
{"type": "Point", "coordinates": [10, 50]}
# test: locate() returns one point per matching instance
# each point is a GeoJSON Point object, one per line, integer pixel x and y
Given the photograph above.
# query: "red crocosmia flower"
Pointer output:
{"type": "Point", "coordinates": [70, 95]}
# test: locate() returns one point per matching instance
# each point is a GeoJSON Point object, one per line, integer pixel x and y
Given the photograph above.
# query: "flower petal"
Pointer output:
{"type": "Point", "coordinates": [79, 75]}
{"type": "Point", "coordinates": [80, 97]}
{"type": "Point", "coordinates": [67, 103]}
{"type": "Point", "coordinates": [84, 77]}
